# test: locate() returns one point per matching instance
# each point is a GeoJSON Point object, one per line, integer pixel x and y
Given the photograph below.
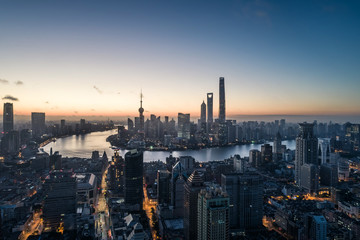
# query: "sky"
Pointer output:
{"type": "Point", "coordinates": [92, 58]}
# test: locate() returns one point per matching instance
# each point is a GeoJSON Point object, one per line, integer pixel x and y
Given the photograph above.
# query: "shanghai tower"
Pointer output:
{"type": "Point", "coordinates": [221, 100]}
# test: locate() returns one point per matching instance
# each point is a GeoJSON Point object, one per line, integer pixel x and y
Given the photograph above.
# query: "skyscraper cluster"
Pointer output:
{"type": "Point", "coordinates": [12, 138]}
{"type": "Point", "coordinates": [210, 108]}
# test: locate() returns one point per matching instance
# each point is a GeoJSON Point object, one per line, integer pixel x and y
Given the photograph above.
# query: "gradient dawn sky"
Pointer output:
{"type": "Point", "coordinates": [93, 57]}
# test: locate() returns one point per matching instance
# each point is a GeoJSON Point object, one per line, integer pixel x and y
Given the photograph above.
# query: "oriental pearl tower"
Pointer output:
{"type": "Point", "coordinates": [141, 114]}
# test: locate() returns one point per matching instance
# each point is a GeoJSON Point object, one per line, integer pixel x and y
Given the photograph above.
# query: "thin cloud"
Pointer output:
{"type": "Point", "coordinates": [97, 89]}
{"type": "Point", "coordinates": [19, 83]}
{"type": "Point", "coordinates": [47, 102]}
{"type": "Point", "coordinates": [4, 81]}
{"type": "Point", "coordinates": [11, 98]}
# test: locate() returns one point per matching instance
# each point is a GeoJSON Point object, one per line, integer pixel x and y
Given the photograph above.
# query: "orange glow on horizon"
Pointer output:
{"type": "Point", "coordinates": [192, 114]}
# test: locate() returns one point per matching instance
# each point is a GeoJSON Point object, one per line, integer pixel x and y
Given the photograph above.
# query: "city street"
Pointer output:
{"type": "Point", "coordinates": [34, 225]}
{"type": "Point", "coordinates": [102, 211]}
{"type": "Point", "coordinates": [147, 205]}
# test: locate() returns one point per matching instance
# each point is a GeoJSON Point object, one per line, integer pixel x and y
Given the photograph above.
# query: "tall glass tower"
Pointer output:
{"type": "Point", "coordinates": [134, 177]}
{"type": "Point", "coordinates": [210, 117]}
{"type": "Point", "coordinates": [203, 112]}
{"type": "Point", "coordinates": [8, 118]}
{"type": "Point", "coordinates": [222, 114]}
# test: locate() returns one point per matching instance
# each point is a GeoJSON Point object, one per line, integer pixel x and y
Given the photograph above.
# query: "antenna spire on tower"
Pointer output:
{"type": "Point", "coordinates": [141, 96]}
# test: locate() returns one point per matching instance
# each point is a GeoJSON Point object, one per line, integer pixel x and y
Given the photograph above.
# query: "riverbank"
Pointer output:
{"type": "Point", "coordinates": [53, 139]}
{"type": "Point", "coordinates": [112, 139]}
{"type": "Point", "coordinates": [81, 146]}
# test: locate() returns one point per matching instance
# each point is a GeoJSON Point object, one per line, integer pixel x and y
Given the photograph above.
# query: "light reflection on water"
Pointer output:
{"type": "Point", "coordinates": [83, 145]}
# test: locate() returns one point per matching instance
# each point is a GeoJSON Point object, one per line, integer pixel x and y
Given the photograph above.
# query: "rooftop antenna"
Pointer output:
{"type": "Point", "coordinates": [141, 96]}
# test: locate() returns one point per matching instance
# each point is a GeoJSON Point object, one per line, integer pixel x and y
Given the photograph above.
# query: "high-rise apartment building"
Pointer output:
{"type": "Point", "coordinates": [306, 149]}
{"type": "Point", "coordinates": [8, 118]}
{"type": "Point", "coordinates": [192, 187]}
{"type": "Point", "coordinates": [255, 158]}
{"type": "Point", "coordinates": [222, 114]}
{"type": "Point", "coordinates": [116, 172]}
{"type": "Point", "coordinates": [38, 126]}
{"type": "Point", "coordinates": [134, 177]}
{"type": "Point", "coordinates": [245, 191]}
{"type": "Point", "coordinates": [213, 214]}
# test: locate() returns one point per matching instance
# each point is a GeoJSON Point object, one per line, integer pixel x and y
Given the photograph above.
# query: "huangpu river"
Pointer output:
{"type": "Point", "coordinates": [83, 145]}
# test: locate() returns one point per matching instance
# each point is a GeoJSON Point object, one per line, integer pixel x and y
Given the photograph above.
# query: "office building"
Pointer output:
{"type": "Point", "coordinates": [55, 161]}
{"type": "Point", "coordinates": [202, 122]}
{"type": "Point", "coordinates": [8, 118]}
{"type": "Point", "coordinates": [82, 125]}
{"type": "Point", "coordinates": [352, 137]}
{"type": "Point", "coordinates": [343, 169]}
{"type": "Point", "coordinates": [184, 125]}
{"type": "Point", "coordinates": [178, 178]}
{"type": "Point", "coordinates": [210, 117]}
{"type": "Point", "coordinates": [86, 188]}
{"type": "Point", "coordinates": [130, 124]}
{"type": "Point", "coordinates": [245, 192]}
{"type": "Point", "coordinates": [266, 153]}
{"type": "Point", "coordinates": [134, 178]}
{"type": "Point", "coordinates": [163, 186]}
{"type": "Point", "coordinates": [38, 124]}
{"type": "Point", "coordinates": [328, 174]}
{"type": "Point", "coordinates": [306, 149]}
{"type": "Point", "coordinates": [60, 202]}
{"type": "Point", "coordinates": [277, 153]}
{"type": "Point", "coordinates": [192, 187]}
{"type": "Point", "coordinates": [324, 150]}
{"type": "Point", "coordinates": [10, 142]}
{"type": "Point", "coordinates": [213, 214]}
{"type": "Point", "coordinates": [40, 162]}
{"type": "Point", "coordinates": [309, 177]}
{"type": "Point", "coordinates": [63, 128]}
{"type": "Point", "coordinates": [315, 227]}
{"type": "Point", "coordinates": [203, 112]}
{"type": "Point", "coordinates": [223, 132]}
{"type": "Point", "coordinates": [222, 114]}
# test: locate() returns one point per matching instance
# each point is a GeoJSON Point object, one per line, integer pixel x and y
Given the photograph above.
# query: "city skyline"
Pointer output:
{"type": "Point", "coordinates": [93, 60]}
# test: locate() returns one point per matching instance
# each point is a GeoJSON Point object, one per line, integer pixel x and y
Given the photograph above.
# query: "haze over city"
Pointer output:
{"type": "Point", "coordinates": [84, 59]}
{"type": "Point", "coordinates": [186, 120]}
